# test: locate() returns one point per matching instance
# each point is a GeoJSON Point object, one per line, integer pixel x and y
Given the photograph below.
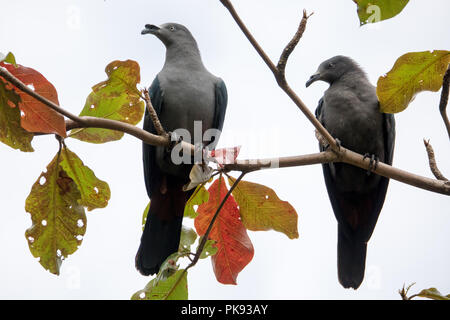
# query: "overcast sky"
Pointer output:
{"type": "Point", "coordinates": [71, 42]}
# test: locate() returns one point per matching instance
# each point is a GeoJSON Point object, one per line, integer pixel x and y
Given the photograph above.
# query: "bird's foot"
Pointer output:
{"type": "Point", "coordinates": [373, 162]}
{"type": "Point", "coordinates": [338, 143]}
{"type": "Point", "coordinates": [174, 140]}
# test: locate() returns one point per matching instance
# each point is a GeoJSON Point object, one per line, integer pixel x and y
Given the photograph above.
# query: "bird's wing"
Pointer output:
{"type": "Point", "coordinates": [151, 170]}
{"type": "Point", "coordinates": [221, 100]}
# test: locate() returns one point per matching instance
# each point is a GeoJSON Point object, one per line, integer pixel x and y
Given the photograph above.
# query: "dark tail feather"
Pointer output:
{"type": "Point", "coordinates": [161, 236]}
{"type": "Point", "coordinates": [351, 261]}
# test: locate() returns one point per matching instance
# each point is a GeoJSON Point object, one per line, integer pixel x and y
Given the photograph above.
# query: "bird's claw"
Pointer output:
{"type": "Point", "coordinates": [338, 143]}
{"type": "Point", "coordinates": [174, 140]}
{"type": "Point", "coordinates": [373, 164]}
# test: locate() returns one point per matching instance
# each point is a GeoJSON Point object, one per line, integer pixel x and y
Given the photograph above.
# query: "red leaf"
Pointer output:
{"type": "Point", "coordinates": [225, 155]}
{"type": "Point", "coordinates": [235, 250]}
{"type": "Point", "coordinates": [36, 116]}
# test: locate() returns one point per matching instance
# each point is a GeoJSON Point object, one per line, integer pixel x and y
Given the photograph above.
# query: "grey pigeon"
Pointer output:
{"type": "Point", "coordinates": [183, 92]}
{"type": "Point", "coordinates": [349, 110]}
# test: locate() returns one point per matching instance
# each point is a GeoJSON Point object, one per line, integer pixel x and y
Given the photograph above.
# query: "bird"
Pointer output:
{"type": "Point", "coordinates": [183, 93]}
{"type": "Point", "coordinates": [349, 110]}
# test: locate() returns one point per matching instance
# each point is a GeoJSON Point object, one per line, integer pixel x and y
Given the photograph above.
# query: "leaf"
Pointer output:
{"type": "Point", "coordinates": [11, 132]}
{"type": "Point", "coordinates": [37, 117]}
{"type": "Point", "coordinates": [200, 195]}
{"type": "Point", "coordinates": [234, 248]}
{"type": "Point", "coordinates": [9, 58]}
{"type": "Point", "coordinates": [199, 174]}
{"type": "Point", "coordinates": [171, 288]}
{"type": "Point", "coordinates": [144, 215]}
{"type": "Point", "coordinates": [261, 209]}
{"type": "Point", "coordinates": [95, 193]}
{"type": "Point", "coordinates": [209, 249]}
{"type": "Point", "coordinates": [187, 238]}
{"type": "Point", "coordinates": [412, 73]}
{"type": "Point", "coordinates": [226, 155]}
{"type": "Point", "coordinates": [116, 98]}
{"type": "Point", "coordinates": [58, 220]}
{"type": "Point", "coordinates": [433, 293]}
{"type": "Point", "coordinates": [372, 11]}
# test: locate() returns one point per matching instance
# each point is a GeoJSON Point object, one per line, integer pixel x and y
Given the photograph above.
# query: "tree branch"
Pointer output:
{"type": "Point", "coordinates": [444, 99]}
{"type": "Point", "coordinates": [158, 126]}
{"type": "Point", "coordinates": [432, 160]}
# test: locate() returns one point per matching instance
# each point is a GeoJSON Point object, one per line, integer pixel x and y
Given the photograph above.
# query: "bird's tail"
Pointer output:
{"type": "Point", "coordinates": [161, 236]}
{"type": "Point", "coordinates": [351, 260]}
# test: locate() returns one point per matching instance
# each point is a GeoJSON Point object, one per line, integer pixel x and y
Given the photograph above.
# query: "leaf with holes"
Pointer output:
{"type": "Point", "coordinates": [58, 220]}
{"type": "Point", "coordinates": [372, 11]}
{"type": "Point", "coordinates": [200, 195]}
{"type": "Point", "coordinates": [171, 288]}
{"type": "Point", "coordinates": [261, 209]}
{"type": "Point", "coordinates": [94, 192]}
{"type": "Point", "coordinates": [11, 132]}
{"type": "Point", "coordinates": [37, 117]}
{"type": "Point", "coordinates": [234, 248]}
{"type": "Point", "coordinates": [433, 294]}
{"type": "Point", "coordinates": [116, 98]}
{"type": "Point", "coordinates": [209, 249]}
{"type": "Point", "coordinates": [412, 73]}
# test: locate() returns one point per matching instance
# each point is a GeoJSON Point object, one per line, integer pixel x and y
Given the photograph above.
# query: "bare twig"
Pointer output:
{"type": "Point", "coordinates": [432, 160]}
{"type": "Point", "coordinates": [283, 85]}
{"type": "Point", "coordinates": [444, 100]}
{"type": "Point", "coordinates": [281, 66]}
{"type": "Point", "coordinates": [158, 126]}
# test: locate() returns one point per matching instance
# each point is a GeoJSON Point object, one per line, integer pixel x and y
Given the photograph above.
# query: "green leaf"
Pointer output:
{"type": "Point", "coordinates": [209, 249]}
{"type": "Point", "coordinates": [187, 238]}
{"type": "Point", "coordinates": [433, 294]}
{"type": "Point", "coordinates": [261, 209]}
{"type": "Point", "coordinates": [95, 193]}
{"type": "Point", "coordinates": [11, 131]}
{"type": "Point", "coordinates": [372, 11]}
{"type": "Point", "coordinates": [200, 195]}
{"type": "Point", "coordinates": [171, 288]}
{"type": "Point", "coordinates": [412, 73]}
{"type": "Point", "coordinates": [116, 98]}
{"type": "Point", "coordinates": [58, 219]}
{"type": "Point", "coordinates": [9, 58]}
{"type": "Point", "coordinates": [144, 215]}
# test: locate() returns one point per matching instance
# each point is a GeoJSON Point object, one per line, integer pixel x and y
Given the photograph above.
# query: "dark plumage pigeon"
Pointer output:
{"type": "Point", "coordinates": [349, 110]}
{"type": "Point", "coordinates": [183, 92]}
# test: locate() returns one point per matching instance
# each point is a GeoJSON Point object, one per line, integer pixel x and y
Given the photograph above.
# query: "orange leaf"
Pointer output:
{"type": "Point", "coordinates": [235, 250]}
{"type": "Point", "coordinates": [36, 116]}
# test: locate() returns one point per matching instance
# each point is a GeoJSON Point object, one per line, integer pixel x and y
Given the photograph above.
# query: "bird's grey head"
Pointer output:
{"type": "Point", "coordinates": [170, 33]}
{"type": "Point", "coordinates": [333, 69]}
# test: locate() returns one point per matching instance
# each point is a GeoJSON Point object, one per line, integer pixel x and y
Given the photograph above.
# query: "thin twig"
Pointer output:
{"type": "Point", "coordinates": [432, 160]}
{"type": "Point", "coordinates": [281, 66]}
{"type": "Point", "coordinates": [283, 85]}
{"type": "Point", "coordinates": [444, 100]}
{"type": "Point", "coordinates": [153, 116]}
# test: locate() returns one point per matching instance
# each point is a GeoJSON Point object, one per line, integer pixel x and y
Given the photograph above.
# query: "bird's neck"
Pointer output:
{"type": "Point", "coordinates": [184, 55]}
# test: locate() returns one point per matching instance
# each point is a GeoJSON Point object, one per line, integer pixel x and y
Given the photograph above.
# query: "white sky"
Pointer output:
{"type": "Point", "coordinates": [71, 42]}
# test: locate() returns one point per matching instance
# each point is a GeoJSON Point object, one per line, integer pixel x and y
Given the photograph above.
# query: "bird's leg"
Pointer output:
{"type": "Point", "coordinates": [373, 162]}
{"type": "Point", "coordinates": [174, 140]}
{"type": "Point", "coordinates": [338, 143]}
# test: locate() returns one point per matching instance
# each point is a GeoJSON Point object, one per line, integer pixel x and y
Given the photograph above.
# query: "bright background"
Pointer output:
{"type": "Point", "coordinates": [71, 42]}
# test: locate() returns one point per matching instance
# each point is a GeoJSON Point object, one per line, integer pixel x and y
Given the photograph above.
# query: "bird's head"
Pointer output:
{"type": "Point", "coordinates": [169, 33]}
{"type": "Point", "coordinates": [332, 69]}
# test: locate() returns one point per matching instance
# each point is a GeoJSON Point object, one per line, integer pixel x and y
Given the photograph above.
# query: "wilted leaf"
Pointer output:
{"type": "Point", "coordinates": [37, 117]}
{"type": "Point", "coordinates": [94, 192]}
{"type": "Point", "coordinates": [261, 209]}
{"type": "Point", "coordinates": [11, 132]}
{"type": "Point", "coordinates": [235, 249]}
{"type": "Point", "coordinates": [200, 195]}
{"type": "Point", "coordinates": [371, 11]}
{"type": "Point", "coordinates": [412, 73]}
{"type": "Point", "coordinates": [434, 294]}
{"type": "Point", "coordinates": [171, 288]}
{"type": "Point", "coordinates": [199, 175]}
{"type": "Point", "coordinates": [58, 220]}
{"type": "Point", "coordinates": [225, 155]}
{"type": "Point", "coordinates": [116, 98]}
{"type": "Point", "coordinates": [187, 238]}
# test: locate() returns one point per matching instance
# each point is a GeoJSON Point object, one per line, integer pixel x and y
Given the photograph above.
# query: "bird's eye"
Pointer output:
{"type": "Point", "coordinates": [331, 65]}
{"type": "Point", "coordinates": [172, 28]}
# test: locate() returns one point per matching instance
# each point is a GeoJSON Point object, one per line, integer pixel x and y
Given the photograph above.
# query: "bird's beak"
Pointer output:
{"type": "Point", "coordinates": [150, 28]}
{"type": "Point", "coordinates": [314, 78]}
